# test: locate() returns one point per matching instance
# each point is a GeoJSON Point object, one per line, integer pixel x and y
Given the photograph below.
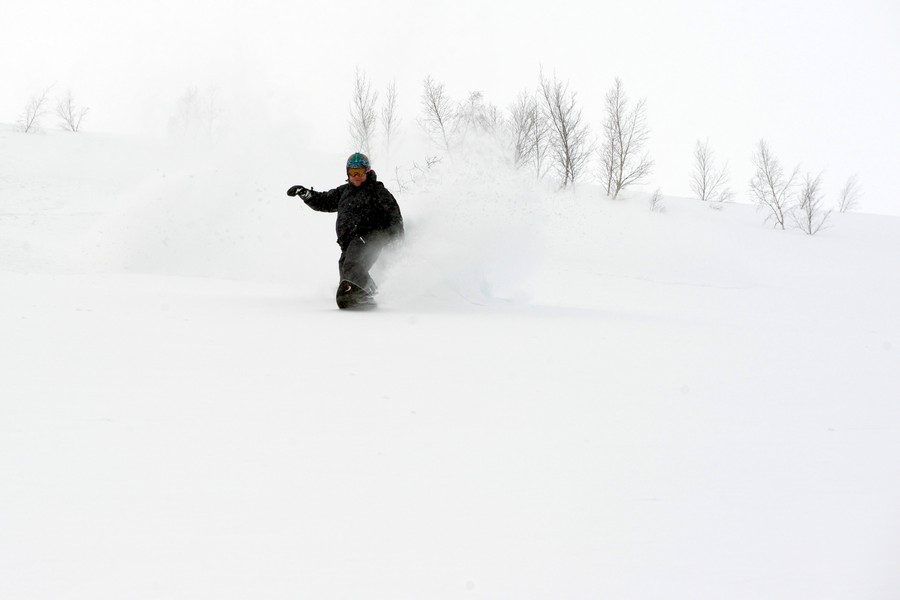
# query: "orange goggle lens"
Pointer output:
{"type": "Point", "coordinates": [355, 171]}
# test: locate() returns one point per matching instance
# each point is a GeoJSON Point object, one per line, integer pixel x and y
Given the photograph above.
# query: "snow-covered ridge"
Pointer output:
{"type": "Point", "coordinates": [156, 206]}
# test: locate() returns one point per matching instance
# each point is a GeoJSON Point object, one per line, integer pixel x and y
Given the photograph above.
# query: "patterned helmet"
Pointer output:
{"type": "Point", "coordinates": [358, 159]}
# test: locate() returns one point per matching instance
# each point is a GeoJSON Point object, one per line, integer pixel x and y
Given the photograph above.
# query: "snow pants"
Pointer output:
{"type": "Point", "coordinates": [358, 257]}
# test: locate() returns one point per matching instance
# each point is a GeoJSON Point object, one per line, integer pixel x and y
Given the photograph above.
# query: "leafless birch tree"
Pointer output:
{"type": "Point", "coordinates": [541, 141]}
{"type": "Point", "coordinates": [570, 143]}
{"type": "Point", "coordinates": [438, 113]}
{"type": "Point", "coordinates": [197, 114]}
{"type": "Point", "coordinates": [771, 188]}
{"type": "Point", "coordinates": [709, 181]}
{"type": "Point", "coordinates": [363, 115]}
{"type": "Point", "coordinates": [187, 113]}
{"type": "Point", "coordinates": [30, 119]}
{"type": "Point", "coordinates": [211, 112]}
{"type": "Point", "coordinates": [69, 113]}
{"type": "Point", "coordinates": [622, 157]}
{"type": "Point", "coordinates": [850, 194]}
{"type": "Point", "coordinates": [478, 115]}
{"type": "Point", "coordinates": [607, 154]}
{"type": "Point", "coordinates": [808, 214]}
{"type": "Point", "coordinates": [656, 202]}
{"type": "Point", "coordinates": [521, 129]}
{"type": "Point", "coordinates": [390, 120]}
{"type": "Point", "coordinates": [528, 132]}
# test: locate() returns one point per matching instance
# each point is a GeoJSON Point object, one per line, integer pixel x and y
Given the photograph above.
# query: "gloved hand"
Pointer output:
{"type": "Point", "coordinates": [299, 190]}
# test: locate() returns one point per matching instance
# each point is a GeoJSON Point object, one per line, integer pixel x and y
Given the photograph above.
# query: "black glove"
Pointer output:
{"type": "Point", "coordinates": [299, 190]}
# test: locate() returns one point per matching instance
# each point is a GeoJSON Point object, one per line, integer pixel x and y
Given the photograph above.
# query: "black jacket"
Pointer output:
{"type": "Point", "coordinates": [361, 211]}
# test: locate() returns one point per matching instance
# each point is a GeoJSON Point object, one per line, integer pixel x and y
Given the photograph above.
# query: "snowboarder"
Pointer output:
{"type": "Point", "coordinates": [368, 218]}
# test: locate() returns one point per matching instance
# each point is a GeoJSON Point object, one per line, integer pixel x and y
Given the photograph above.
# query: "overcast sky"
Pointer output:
{"type": "Point", "coordinates": [818, 80]}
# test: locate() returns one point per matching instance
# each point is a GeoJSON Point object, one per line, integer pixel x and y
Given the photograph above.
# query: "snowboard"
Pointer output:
{"type": "Point", "coordinates": [350, 295]}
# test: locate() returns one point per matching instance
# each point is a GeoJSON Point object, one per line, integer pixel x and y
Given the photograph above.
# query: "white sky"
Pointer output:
{"type": "Point", "coordinates": [818, 80]}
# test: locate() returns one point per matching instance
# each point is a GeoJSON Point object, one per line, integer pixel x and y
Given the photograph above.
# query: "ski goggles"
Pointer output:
{"type": "Point", "coordinates": [355, 171]}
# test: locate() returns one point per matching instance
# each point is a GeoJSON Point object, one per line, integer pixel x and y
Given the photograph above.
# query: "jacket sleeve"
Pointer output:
{"type": "Point", "coordinates": [325, 201]}
{"type": "Point", "coordinates": [392, 210]}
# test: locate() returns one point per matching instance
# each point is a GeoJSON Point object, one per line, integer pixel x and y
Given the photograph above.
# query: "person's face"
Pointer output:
{"type": "Point", "coordinates": [357, 176]}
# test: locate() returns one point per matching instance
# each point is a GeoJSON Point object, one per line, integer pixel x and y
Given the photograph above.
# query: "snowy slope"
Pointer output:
{"type": "Point", "coordinates": [560, 396]}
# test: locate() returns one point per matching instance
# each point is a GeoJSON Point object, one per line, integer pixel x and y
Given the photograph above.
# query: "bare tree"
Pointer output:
{"type": "Point", "coordinates": [414, 175]}
{"type": "Point", "coordinates": [708, 181]}
{"type": "Point", "coordinates": [850, 194]}
{"type": "Point", "coordinates": [470, 113]}
{"type": "Point", "coordinates": [808, 215]}
{"type": "Point", "coordinates": [187, 112]}
{"type": "Point", "coordinates": [197, 114]}
{"type": "Point", "coordinates": [522, 124]}
{"type": "Point", "coordinates": [363, 115]}
{"type": "Point", "coordinates": [398, 179]}
{"type": "Point", "coordinates": [541, 139]}
{"type": "Point", "coordinates": [607, 153]}
{"type": "Point", "coordinates": [390, 120]}
{"type": "Point", "coordinates": [771, 188]}
{"type": "Point", "coordinates": [30, 119]}
{"type": "Point", "coordinates": [529, 133]}
{"type": "Point", "coordinates": [656, 201]}
{"type": "Point", "coordinates": [540, 135]}
{"type": "Point", "coordinates": [623, 161]}
{"type": "Point", "coordinates": [439, 114]}
{"type": "Point", "coordinates": [210, 111]}
{"type": "Point", "coordinates": [492, 121]}
{"type": "Point", "coordinates": [430, 163]}
{"type": "Point", "coordinates": [69, 113]}
{"type": "Point", "coordinates": [569, 138]}
{"type": "Point", "coordinates": [478, 115]}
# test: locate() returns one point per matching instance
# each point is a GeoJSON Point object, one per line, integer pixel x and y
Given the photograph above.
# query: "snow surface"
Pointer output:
{"type": "Point", "coordinates": [560, 396]}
